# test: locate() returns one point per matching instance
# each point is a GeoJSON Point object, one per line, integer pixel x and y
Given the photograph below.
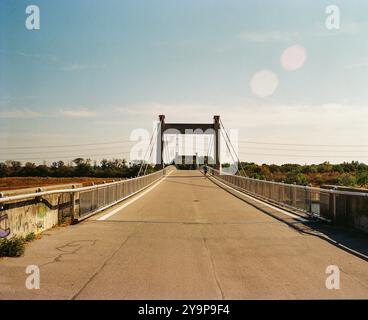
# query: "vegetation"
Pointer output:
{"type": "Point", "coordinates": [30, 237]}
{"type": "Point", "coordinates": [347, 174]}
{"type": "Point", "coordinates": [77, 168]}
{"type": "Point", "coordinates": [13, 183]}
{"type": "Point", "coordinates": [15, 246]}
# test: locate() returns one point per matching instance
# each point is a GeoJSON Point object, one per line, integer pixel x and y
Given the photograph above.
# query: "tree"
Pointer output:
{"type": "Point", "coordinates": [347, 179]}
{"type": "Point", "coordinates": [362, 178]}
{"type": "Point", "coordinates": [78, 161]}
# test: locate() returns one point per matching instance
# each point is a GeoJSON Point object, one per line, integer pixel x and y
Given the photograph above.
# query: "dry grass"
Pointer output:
{"type": "Point", "coordinates": [13, 183]}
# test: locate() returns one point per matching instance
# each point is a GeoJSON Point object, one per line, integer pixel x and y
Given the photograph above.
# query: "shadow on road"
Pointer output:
{"type": "Point", "coordinates": [350, 240]}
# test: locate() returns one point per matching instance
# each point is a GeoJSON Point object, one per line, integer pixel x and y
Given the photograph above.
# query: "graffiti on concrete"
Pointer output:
{"type": "Point", "coordinates": [24, 221]}
{"type": "Point", "coordinates": [24, 217]}
{"type": "Point", "coordinates": [4, 232]}
{"type": "Point", "coordinates": [42, 210]}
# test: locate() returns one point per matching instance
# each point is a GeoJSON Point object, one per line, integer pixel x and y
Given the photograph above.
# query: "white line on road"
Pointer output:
{"type": "Point", "coordinates": [266, 204]}
{"type": "Point", "coordinates": [124, 205]}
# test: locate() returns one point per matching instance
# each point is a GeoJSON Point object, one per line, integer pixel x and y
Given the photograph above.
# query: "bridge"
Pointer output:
{"type": "Point", "coordinates": [180, 234]}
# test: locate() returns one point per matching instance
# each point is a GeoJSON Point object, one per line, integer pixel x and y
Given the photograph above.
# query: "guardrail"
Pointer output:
{"type": "Point", "coordinates": [101, 197]}
{"type": "Point", "coordinates": [344, 207]}
{"type": "Point", "coordinates": [36, 212]}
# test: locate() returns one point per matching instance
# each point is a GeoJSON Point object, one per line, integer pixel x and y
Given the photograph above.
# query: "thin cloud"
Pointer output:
{"type": "Point", "coordinates": [79, 66]}
{"type": "Point", "coordinates": [319, 30]}
{"type": "Point", "coordinates": [73, 67]}
{"type": "Point", "coordinates": [357, 65]}
{"type": "Point", "coordinates": [23, 113]}
{"type": "Point", "coordinates": [263, 37]}
{"type": "Point", "coordinates": [346, 28]}
{"type": "Point", "coordinates": [49, 57]}
{"type": "Point", "coordinates": [284, 117]}
{"type": "Point", "coordinates": [175, 111]}
{"type": "Point", "coordinates": [78, 113]}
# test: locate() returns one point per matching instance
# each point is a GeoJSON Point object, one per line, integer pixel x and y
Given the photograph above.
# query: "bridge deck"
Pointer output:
{"type": "Point", "coordinates": [185, 239]}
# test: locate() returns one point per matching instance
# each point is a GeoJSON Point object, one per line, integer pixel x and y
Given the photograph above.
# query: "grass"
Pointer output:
{"type": "Point", "coordinates": [15, 246]}
{"type": "Point", "coordinates": [13, 183]}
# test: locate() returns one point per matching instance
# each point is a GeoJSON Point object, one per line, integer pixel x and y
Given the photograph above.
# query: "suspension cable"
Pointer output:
{"type": "Point", "coordinates": [209, 147]}
{"type": "Point", "coordinates": [228, 147]}
{"type": "Point", "coordinates": [241, 166]}
{"type": "Point", "coordinates": [146, 167]}
{"type": "Point", "coordinates": [148, 148]}
{"type": "Point", "coordinates": [166, 150]}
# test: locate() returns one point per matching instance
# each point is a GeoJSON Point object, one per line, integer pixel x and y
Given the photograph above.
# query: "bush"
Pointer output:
{"type": "Point", "coordinates": [362, 178]}
{"type": "Point", "coordinates": [30, 237]}
{"type": "Point", "coordinates": [13, 247]}
{"type": "Point", "coordinates": [347, 179]}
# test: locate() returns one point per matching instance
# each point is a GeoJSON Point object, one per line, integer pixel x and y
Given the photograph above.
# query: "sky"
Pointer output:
{"type": "Point", "coordinates": [97, 70]}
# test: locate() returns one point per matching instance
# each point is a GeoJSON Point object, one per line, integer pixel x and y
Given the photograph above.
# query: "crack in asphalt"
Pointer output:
{"type": "Point", "coordinates": [103, 266]}
{"type": "Point", "coordinates": [213, 267]}
{"type": "Point", "coordinates": [71, 244]}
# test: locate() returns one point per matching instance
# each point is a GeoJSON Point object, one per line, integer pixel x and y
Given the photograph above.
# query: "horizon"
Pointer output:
{"type": "Point", "coordinates": [294, 89]}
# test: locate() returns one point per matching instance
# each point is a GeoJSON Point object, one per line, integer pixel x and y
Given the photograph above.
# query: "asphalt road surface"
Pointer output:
{"type": "Point", "coordinates": [187, 238]}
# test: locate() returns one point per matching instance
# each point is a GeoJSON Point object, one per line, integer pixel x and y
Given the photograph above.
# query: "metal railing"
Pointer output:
{"type": "Point", "coordinates": [82, 202]}
{"type": "Point", "coordinates": [317, 202]}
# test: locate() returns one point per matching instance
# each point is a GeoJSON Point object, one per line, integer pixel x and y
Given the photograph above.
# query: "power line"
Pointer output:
{"type": "Point", "coordinates": [69, 157]}
{"type": "Point", "coordinates": [305, 145]}
{"type": "Point", "coordinates": [296, 150]}
{"type": "Point", "coordinates": [304, 150]}
{"type": "Point", "coordinates": [130, 141]}
{"type": "Point", "coordinates": [72, 145]}
{"type": "Point", "coordinates": [246, 153]}
{"type": "Point", "coordinates": [305, 156]}
{"type": "Point", "coordinates": [48, 152]}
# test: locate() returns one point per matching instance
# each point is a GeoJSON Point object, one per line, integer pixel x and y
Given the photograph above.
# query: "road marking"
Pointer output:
{"type": "Point", "coordinates": [266, 204]}
{"type": "Point", "coordinates": [111, 213]}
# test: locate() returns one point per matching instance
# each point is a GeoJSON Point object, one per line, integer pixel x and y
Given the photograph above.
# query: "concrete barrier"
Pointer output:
{"type": "Point", "coordinates": [34, 214]}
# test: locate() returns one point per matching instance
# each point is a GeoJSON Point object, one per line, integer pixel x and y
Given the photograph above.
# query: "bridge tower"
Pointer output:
{"type": "Point", "coordinates": [181, 128]}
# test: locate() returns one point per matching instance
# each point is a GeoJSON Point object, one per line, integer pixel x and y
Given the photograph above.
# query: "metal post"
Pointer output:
{"type": "Point", "coordinates": [216, 127]}
{"type": "Point", "coordinates": [310, 199]}
{"type": "Point", "coordinates": [160, 140]}
{"type": "Point", "coordinates": [92, 197]}
{"type": "Point", "coordinates": [281, 193]}
{"type": "Point", "coordinates": [334, 206]}
{"type": "Point", "coordinates": [104, 194]}
{"type": "Point", "coordinates": [74, 215]}
{"type": "Point", "coordinates": [294, 195]}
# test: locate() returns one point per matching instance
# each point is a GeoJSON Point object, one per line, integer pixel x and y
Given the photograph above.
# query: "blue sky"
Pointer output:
{"type": "Point", "coordinates": [98, 69]}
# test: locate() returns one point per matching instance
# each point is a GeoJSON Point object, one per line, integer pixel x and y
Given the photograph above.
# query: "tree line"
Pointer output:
{"type": "Point", "coordinates": [79, 167]}
{"type": "Point", "coordinates": [347, 173]}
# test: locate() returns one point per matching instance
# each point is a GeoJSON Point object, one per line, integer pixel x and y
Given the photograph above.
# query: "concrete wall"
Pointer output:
{"type": "Point", "coordinates": [349, 211]}
{"type": "Point", "coordinates": [34, 215]}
